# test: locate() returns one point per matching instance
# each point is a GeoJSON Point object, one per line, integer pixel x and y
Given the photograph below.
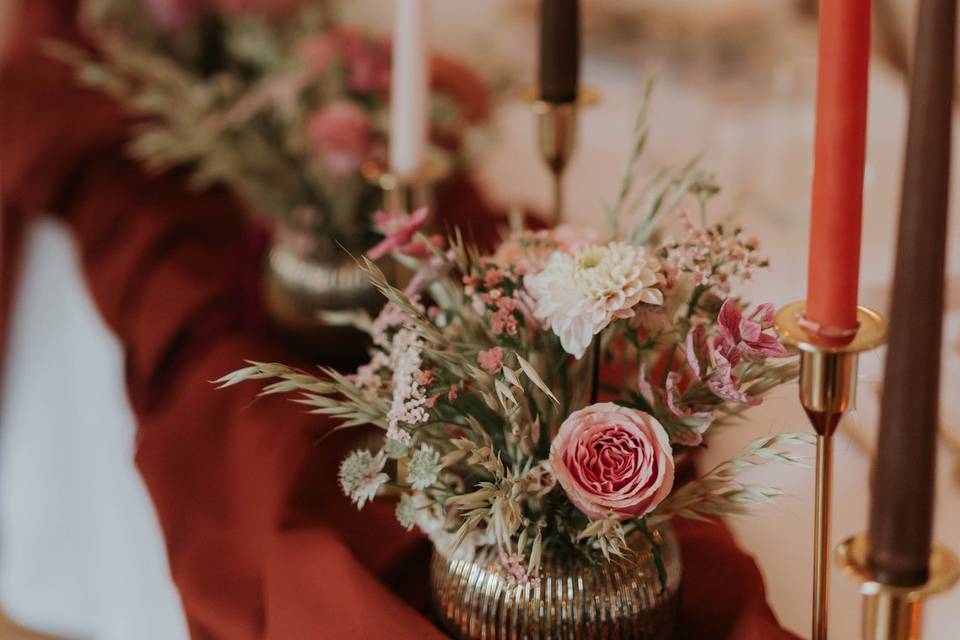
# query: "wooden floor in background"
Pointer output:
{"type": "Point", "coordinates": [10, 631]}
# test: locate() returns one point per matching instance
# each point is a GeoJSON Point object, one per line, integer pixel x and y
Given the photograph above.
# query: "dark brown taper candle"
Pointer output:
{"type": "Point", "coordinates": [901, 510]}
{"type": "Point", "coordinates": [559, 50]}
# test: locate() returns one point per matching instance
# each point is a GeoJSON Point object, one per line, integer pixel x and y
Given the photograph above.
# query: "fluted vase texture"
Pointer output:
{"type": "Point", "coordinates": [473, 599]}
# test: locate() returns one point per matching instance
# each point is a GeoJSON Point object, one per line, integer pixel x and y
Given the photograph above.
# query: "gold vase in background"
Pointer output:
{"type": "Point", "coordinates": [618, 600]}
{"type": "Point", "coordinates": [299, 286]}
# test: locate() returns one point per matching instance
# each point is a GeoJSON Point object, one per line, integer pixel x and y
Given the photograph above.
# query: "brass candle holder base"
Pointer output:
{"type": "Point", "coordinates": [828, 378]}
{"type": "Point", "coordinates": [895, 613]}
{"type": "Point", "coordinates": [408, 193]}
{"type": "Point", "coordinates": [557, 135]}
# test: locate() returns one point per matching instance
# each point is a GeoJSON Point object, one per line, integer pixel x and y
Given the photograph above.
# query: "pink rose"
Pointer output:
{"type": "Point", "coordinates": [340, 134]}
{"type": "Point", "coordinates": [174, 15]}
{"type": "Point", "coordinates": [612, 459]}
{"type": "Point", "coordinates": [257, 7]}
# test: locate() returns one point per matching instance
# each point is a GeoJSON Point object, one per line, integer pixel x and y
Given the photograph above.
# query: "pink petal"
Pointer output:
{"type": "Point", "coordinates": [764, 315]}
{"type": "Point", "coordinates": [696, 348]}
{"type": "Point", "coordinates": [766, 346]}
{"type": "Point", "coordinates": [729, 320]}
{"type": "Point", "coordinates": [645, 388]}
{"type": "Point", "coordinates": [750, 331]}
{"type": "Point", "coordinates": [726, 386]}
{"type": "Point", "coordinates": [382, 248]}
{"type": "Point", "coordinates": [673, 396]}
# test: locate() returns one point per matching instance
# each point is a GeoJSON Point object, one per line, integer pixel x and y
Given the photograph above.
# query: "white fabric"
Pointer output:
{"type": "Point", "coordinates": [81, 552]}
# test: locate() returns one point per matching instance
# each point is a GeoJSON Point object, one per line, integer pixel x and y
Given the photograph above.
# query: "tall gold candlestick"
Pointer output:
{"type": "Point", "coordinates": [557, 137]}
{"type": "Point", "coordinates": [828, 376]}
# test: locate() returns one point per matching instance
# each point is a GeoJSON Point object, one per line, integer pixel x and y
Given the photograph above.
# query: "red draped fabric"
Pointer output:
{"type": "Point", "coordinates": [260, 542]}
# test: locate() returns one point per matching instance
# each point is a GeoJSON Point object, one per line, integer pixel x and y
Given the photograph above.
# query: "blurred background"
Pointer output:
{"type": "Point", "coordinates": [81, 555]}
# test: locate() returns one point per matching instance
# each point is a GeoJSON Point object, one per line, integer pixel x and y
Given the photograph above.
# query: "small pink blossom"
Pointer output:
{"type": "Point", "coordinates": [492, 278]}
{"type": "Point", "coordinates": [613, 460]}
{"type": "Point", "coordinates": [514, 566]}
{"type": "Point", "coordinates": [425, 377]}
{"type": "Point", "coordinates": [491, 360]}
{"type": "Point", "coordinates": [453, 393]}
{"type": "Point", "coordinates": [398, 228]}
{"type": "Point", "coordinates": [504, 320]}
{"type": "Point", "coordinates": [340, 134]}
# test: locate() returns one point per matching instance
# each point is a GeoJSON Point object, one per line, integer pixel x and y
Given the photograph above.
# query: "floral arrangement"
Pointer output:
{"type": "Point", "coordinates": [273, 98]}
{"type": "Point", "coordinates": [537, 399]}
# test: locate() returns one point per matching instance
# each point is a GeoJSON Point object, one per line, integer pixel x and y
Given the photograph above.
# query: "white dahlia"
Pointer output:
{"type": "Point", "coordinates": [579, 294]}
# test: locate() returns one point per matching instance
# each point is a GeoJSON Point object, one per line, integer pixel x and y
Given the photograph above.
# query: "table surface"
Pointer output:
{"type": "Point", "coordinates": [65, 465]}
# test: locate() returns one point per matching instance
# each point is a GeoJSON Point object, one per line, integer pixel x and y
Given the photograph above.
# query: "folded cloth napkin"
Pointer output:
{"type": "Point", "coordinates": [260, 542]}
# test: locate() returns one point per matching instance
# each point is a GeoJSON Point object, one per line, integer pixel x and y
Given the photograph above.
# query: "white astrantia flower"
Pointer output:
{"type": "Point", "coordinates": [407, 511]}
{"type": "Point", "coordinates": [579, 294]}
{"type": "Point", "coordinates": [424, 467]}
{"type": "Point", "coordinates": [431, 518]}
{"type": "Point", "coordinates": [361, 475]}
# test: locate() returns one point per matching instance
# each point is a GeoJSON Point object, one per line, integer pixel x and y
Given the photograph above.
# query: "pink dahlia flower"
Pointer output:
{"type": "Point", "coordinates": [613, 460]}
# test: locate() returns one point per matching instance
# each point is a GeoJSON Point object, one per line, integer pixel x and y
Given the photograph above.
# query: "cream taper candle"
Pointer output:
{"type": "Point", "coordinates": [409, 89]}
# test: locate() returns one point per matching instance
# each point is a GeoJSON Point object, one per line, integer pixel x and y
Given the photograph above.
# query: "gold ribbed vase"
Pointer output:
{"type": "Point", "coordinates": [573, 600]}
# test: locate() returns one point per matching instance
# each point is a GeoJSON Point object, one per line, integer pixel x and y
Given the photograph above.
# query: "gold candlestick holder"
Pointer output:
{"type": "Point", "coordinates": [828, 374]}
{"type": "Point", "coordinates": [407, 193]}
{"type": "Point", "coordinates": [557, 135]}
{"type": "Point", "coordinates": [889, 612]}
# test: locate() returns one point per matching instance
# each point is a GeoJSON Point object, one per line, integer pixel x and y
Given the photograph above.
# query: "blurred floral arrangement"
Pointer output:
{"type": "Point", "coordinates": [272, 98]}
{"type": "Point", "coordinates": [501, 428]}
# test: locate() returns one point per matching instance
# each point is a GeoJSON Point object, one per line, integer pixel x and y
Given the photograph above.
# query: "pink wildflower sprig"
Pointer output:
{"type": "Point", "coordinates": [497, 291]}
{"type": "Point", "coordinates": [714, 256]}
{"type": "Point", "coordinates": [516, 571]}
